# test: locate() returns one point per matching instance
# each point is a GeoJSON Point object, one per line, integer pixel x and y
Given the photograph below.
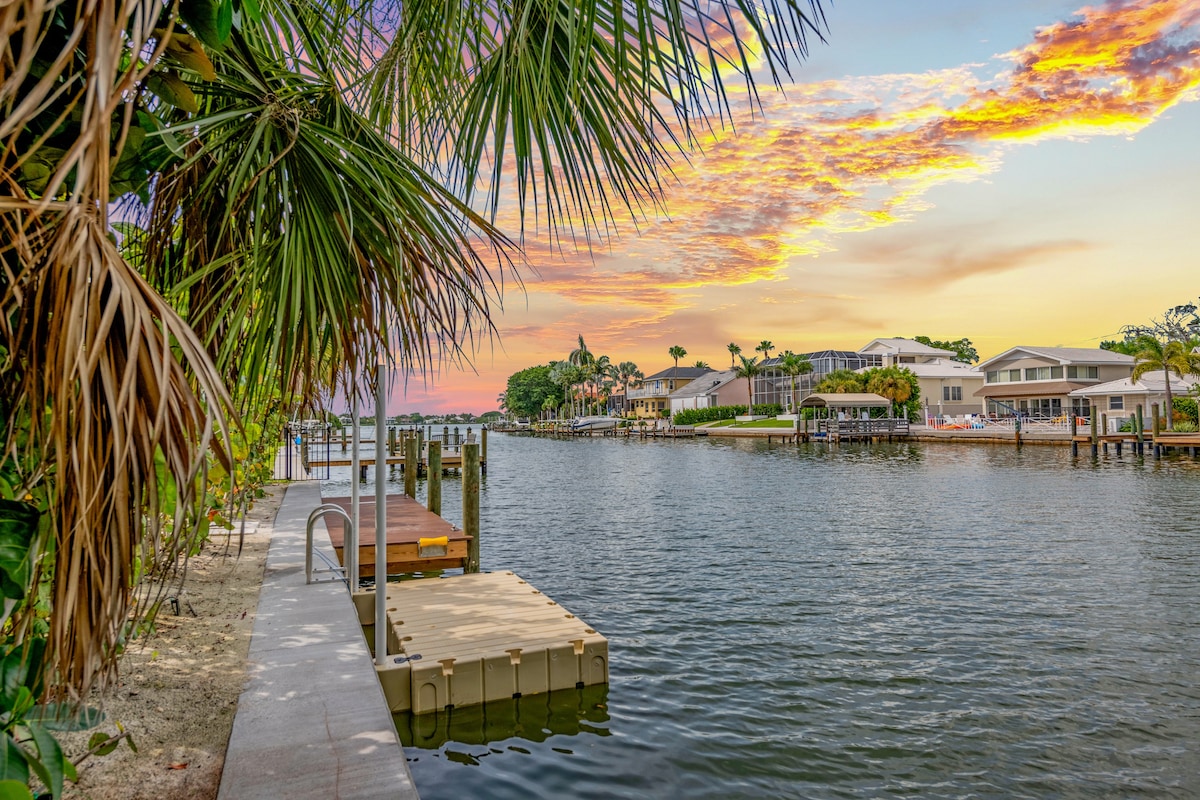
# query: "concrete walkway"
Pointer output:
{"type": "Point", "coordinates": [312, 721]}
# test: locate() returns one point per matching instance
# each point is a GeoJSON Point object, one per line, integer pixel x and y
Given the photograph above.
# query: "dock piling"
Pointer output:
{"type": "Point", "coordinates": [411, 457]}
{"type": "Point", "coordinates": [1140, 426]}
{"type": "Point", "coordinates": [434, 499]}
{"type": "Point", "coordinates": [1095, 437]}
{"type": "Point", "coordinates": [470, 500]}
{"type": "Point", "coordinates": [1154, 428]}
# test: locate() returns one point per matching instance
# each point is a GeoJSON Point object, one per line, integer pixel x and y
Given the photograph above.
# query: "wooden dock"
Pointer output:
{"type": "Point", "coordinates": [450, 460]}
{"type": "Point", "coordinates": [408, 524]}
{"type": "Point", "coordinates": [470, 639]}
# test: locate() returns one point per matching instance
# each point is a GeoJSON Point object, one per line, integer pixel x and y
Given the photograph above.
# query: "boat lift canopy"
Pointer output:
{"type": "Point", "coordinates": [846, 400]}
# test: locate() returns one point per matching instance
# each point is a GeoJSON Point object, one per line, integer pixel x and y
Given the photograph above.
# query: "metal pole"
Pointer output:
{"type": "Point", "coordinates": [350, 551]}
{"type": "Point", "coordinates": [381, 637]}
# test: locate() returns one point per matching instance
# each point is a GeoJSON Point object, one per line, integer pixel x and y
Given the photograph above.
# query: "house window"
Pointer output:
{"type": "Point", "coordinates": [1092, 373]}
{"type": "Point", "coordinates": [1043, 373]}
{"type": "Point", "coordinates": [951, 394]}
{"type": "Point", "coordinates": [1081, 407]}
{"type": "Point", "coordinates": [1003, 376]}
{"type": "Point", "coordinates": [1116, 402]}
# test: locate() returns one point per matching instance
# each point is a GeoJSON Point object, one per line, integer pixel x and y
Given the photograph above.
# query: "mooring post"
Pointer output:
{"type": "Point", "coordinates": [1095, 440]}
{"type": "Point", "coordinates": [343, 438]}
{"type": "Point", "coordinates": [1017, 430]}
{"type": "Point", "coordinates": [420, 434]}
{"type": "Point", "coordinates": [1074, 433]}
{"type": "Point", "coordinates": [470, 500]}
{"type": "Point", "coordinates": [1104, 431]}
{"type": "Point", "coordinates": [411, 456]}
{"type": "Point", "coordinates": [1141, 432]}
{"type": "Point", "coordinates": [434, 498]}
{"type": "Point", "coordinates": [1154, 430]}
{"type": "Point", "coordinates": [483, 450]}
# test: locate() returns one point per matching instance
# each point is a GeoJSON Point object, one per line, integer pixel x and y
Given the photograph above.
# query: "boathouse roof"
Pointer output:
{"type": "Point", "coordinates": [846, 400]}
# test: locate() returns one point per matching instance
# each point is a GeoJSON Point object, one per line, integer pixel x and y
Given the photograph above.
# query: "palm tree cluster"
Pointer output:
{"type": "Point", "coordinates": [316, 184]}
{"type": "Point", "coordinates": [588, 380]}
{"type": "Point", "coordinates": [1172, 357]}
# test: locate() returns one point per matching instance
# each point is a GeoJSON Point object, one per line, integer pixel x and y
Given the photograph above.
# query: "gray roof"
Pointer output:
{"type": "Point", "coordinates": [1150, 383]}
{"type": "Point", "coordinates": [677, 372]}
{"type": "Point", "coordinates": [846, 400]}
{"type": "Point", "coordinates": [1064, 355]}
{"type": "Point", "coordinates": [706, 383]}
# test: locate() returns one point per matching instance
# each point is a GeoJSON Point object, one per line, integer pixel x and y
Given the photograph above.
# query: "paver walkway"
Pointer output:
{"type": "Point", "coordinates": [312, 721]}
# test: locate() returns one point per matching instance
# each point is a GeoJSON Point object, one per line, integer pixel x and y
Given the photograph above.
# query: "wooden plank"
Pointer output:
{"type": "Point", "coordinates": [407, 522]}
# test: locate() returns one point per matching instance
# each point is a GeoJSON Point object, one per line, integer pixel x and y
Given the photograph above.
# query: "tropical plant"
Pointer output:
{"type": "Point", "coordinates": [1171, 358]}
{"type": "Point", "coordinates": [890, 382]}
{"type": "Point", "coordinates": [963, 350]}
{"type": "Point", "coordinates": [748, 369]}
{"type": "Point", "coordinates": [734, 351]}
{"type": "Point", "coordinates": [840, 381]}
{"type": "Point", "coordinates": [793, 366]}
{"type": "Point", "coordinates": [701, 364]}
{"type": "Point", "coordinates": [676, 352]}
{"type": "Point", "coordinates": [301, 217]}
{"type": "Point", "coordinates": [765, 347]}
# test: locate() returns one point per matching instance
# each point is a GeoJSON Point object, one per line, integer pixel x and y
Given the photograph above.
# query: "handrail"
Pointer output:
{"type": "Point", "coordinates": [317, 513]}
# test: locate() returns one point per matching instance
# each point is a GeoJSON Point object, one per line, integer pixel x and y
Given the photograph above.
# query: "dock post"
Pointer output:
{"type": "Point", "coordinates": [1017, 430]}
{"type": "Point", "coordinates": [1104, 431]}
{"type": "Point", "coordinates": [434, 498]}
{"type": "Point", "coordinates": [343, 438]}
{"type": "Point", "coordinates": [1154, 428]}
{"type": "Point", "coordinates": [1074, 433]}
{"type": "Point", "coordinates": [1095, 440]}
{"type": "Point", "coordinates": [483, 450]}
{"type": "Point", "coordinates": [411, 456]}
{"type": "Point", "coordinates": [1141, 432]}
{"type": "Point", "coordinates": [470, 500]}
{"type": "Point", "coordinates": [420, 434]}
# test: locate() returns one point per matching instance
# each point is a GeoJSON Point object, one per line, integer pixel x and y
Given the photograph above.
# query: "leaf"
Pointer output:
{"type": "Point", "coordinates": [188, 52]}
{"type": "Point", "coordinates": [64, 717]}
{"type": "Point", "coordinates": [201, 19]}
{"type": "Point", "coordinates": [14, 764]}
{"type": "Point", "coordinates": [251, 10]}
{"type": "Point", "coordinates": [173, 91]}
{"type": "Point", "coordinates": [18, 533]}
{"type": "Point", "coordinates": [14, 790]}
{"type": "Point", "coordinates": [49, 765]}
{"type": "Point", "coordinates": [102, 743]}
{"type": "Point", "coordinates": [225, 20]}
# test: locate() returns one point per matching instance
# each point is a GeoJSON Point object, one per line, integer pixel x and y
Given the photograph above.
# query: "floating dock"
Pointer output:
{"type": "Point", "coordinates": [470, 639]}
{"type": "Point", "coordinates": [417, 539]}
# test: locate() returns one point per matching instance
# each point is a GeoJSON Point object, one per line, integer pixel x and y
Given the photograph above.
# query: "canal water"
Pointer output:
{"type": "Point", "coordinates": [910, 620]}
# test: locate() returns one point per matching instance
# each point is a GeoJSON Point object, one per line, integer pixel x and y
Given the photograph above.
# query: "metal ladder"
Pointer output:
{"type": "Point", "coordinates": [351, 558]}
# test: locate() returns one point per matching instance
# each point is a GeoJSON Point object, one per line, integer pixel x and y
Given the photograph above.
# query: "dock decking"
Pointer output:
{"type": "Point", "coordinates": [408, 522]}
{"type": "Point", "coordinates": [470, 639]}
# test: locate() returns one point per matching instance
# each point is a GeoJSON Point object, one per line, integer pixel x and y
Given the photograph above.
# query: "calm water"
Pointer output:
{"type": "Point", "coordinates": [908, 620]}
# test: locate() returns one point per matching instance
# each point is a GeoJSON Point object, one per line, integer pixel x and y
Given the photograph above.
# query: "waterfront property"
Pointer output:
{"type": "Point", "coordinates": [1119, 399]}
{"type": "Point", "coordinates": [712, 389]}
{"type": "Point", "coordinates": [650, 400]}
{"type": "Point", "coordinates": [1041, 381]}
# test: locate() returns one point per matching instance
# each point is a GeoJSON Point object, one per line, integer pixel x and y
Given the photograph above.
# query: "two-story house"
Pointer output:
{"type": "Point", "coordinates": [948, 387]}
{"type": "Point", "coordinates": [650, 400]}
{"type": "Point", "coordinates": [712, 389]}
{"type": "Point", "coordinates": [1038, 381]}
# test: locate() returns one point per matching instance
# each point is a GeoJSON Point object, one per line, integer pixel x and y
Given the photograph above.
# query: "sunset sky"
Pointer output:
{"type": "Point", "coordinates": [1015, 173]}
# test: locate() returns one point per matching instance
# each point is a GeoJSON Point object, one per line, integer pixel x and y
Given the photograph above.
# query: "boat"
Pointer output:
{"type": "Point", "coordinates": [594, 423]}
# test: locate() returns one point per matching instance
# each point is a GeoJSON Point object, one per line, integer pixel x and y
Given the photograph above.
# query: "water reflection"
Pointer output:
{"type": "Point", "coordinates": [536, 718]}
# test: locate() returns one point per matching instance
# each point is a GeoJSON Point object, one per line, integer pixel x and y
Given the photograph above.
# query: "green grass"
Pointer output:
{"type": "Point", "coordinates": [758, 423]}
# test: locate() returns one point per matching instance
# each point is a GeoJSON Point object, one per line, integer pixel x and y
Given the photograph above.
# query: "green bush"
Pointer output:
{"type": "Point", "coordinates": [768, 409]}
{"type": "Point", "coordinates": [1185, 409]}
{"type": "Point", "coordinates": [695, 416]}
{"type": "Point", "coordinates": [1185, 426]}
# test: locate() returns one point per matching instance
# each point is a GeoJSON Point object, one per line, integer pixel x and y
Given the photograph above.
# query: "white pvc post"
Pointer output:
{"type": "Point", "coordinates": [351, 544]}
{"type": "Point", "coordinates": [381, 636]}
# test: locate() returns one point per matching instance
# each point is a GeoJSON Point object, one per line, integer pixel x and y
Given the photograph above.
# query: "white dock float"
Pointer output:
{"type": "Point", "coordinates": [471, 639]}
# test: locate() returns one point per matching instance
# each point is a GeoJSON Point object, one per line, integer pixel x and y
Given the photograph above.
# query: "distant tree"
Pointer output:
{"type": "Point", "coordinates": [676, 352]}
{"type": "Point", "coordinates": [1126, 346]}
{"type": "Point", "coordinates": [793, 366]}
{"type": "Point", "coordinates": [1178, 324]}
{"type": "Point", "coordinates": [765, 347]}
{"type": "Point", "coordinates": [1172, 358]}
{"type": "Point", "coordinates": [734, 352]}
{"type": "Point", "coordinates": [528, 389]}
{"type": "Point", "coordinates": [749, 369]}
{"type": "Point", "coordinates": [963, 350]}
{"type": "Point", "coordinates": [841, 381]}
{"type": "Point", "coordinates": [701, 364]}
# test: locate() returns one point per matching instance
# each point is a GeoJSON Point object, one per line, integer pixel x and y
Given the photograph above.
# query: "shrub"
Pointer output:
{"type": "Point", "coordinates": [695, 416]}
{"type": "Point", "coordinates": [1185, 409]}
{"type": "Point", "coordinates": [1186, 426]}
{"type": "Point", "coordinates": [768, 409]}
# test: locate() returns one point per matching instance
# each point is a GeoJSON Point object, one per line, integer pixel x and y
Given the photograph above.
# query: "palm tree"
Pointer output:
{"type": "Point", "coordinates": [257, 153]}
{"type": "Point", "coordinates": [749, 369]}
{"type": "Point", "coordinates": [840, 381]}
{"type": "Point", "coordinates": [765, 347]}
{"type": "Point", "coordinates": [892, 383]}
{"type": "Point", "coordinates": [793, 366]}
{"type": "Point", "coordinates": [1171, 358]}
{"type": "Point", "coordinates": [734, 351]}
{"type": "Point", "coordinates": [701, 364]}
{"type": "Point", "coordinates": [676, 352]}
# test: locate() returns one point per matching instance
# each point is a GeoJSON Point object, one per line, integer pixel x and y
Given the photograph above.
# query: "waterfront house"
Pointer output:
{"type": "Point", "coordinates": [948, 387]}
{"type": "Point", "coordinates": [1041, 381]}
{"type": "Point", "coordinates": [650, 400]}
{"type": "Point", "coordinates": [1119, 399]}
{"type": "Point", "coordinates": [902, 352]}
{"type": "Point", "coordinates": [772, 386]}
{"type": "Point", "coordinates": [710, 390]}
